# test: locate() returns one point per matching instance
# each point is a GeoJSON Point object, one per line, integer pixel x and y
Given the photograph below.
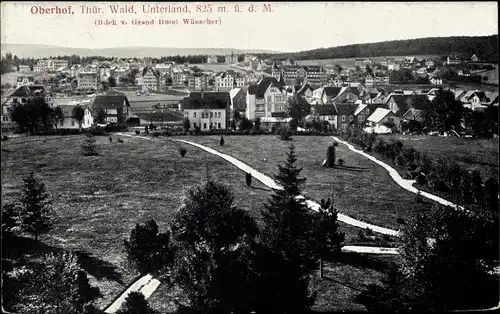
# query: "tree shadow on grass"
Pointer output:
{"type": "Point", "coordinates": [348, 168]}
{"type": "Point", "coordinates": [362, 261]}
{"type": "Point", "coordinates": [262, 189]}
{"type": "Point", "coordinates": [23, 250]}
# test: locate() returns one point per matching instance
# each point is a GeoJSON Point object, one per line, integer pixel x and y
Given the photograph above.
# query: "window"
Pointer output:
{"type": "Point", "coordinates": [194, 114]}
{"type": "Point", "coordinates": [343, 118]}
{"type": "Point", "coordinates": [269, 99]}
{"type": "Point", "coordinates": [186, 114]}
{"type": "Point", "coordinates": [194, 124]}
{"type": "Point", "coordinates": [211, 114]}
{"type": "Point", "coordinates": [211, 126]}
{"type": "Point", "coordinates": [219, 125]}
{"type": "Point", "coordinates": [204, 125]}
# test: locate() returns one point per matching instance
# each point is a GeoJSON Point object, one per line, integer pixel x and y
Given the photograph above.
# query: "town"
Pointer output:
{"type": "Point", "coordinates": [250, 159]}
{"type": "Point", "coordinates": [363, 92]}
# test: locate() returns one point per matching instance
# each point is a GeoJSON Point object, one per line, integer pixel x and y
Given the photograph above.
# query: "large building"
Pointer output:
{"type": "Point", "coordinates": [229, 79]}
{"type": "Point", "coordinates": [197, 81]}
{"type": "Point", "coordinates": [296, 74]}
{"type": "Point", "coordinates": [25, 81]}
{"type": "Point", "coordinates": [22, 95]}
{"type": "Point", "coordinates": [207, 110]}
{"type": "Point", "coordinates": [231, 58]}
{"type": "Point", "coordinates": [150, 79]}
{"type": "Point", "coordinates": [211, 59]}
{"type": "Point", "coordinates": [266, 98]}
{"type": "Point", "coordinates": [88, 80]}
{"type": "Point", "coordinates": [115, 106]}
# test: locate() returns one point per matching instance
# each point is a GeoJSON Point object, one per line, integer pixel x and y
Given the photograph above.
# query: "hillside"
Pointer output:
{"type": "Point", "coordinates": [486, 47]}
{"type": "Point", "coordinates": [45, 51]}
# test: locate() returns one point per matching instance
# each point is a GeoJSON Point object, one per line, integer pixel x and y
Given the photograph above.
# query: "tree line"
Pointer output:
{"type": "Point", "coordinates": [486, 47]}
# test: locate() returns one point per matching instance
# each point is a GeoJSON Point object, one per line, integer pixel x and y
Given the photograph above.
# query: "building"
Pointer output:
{"type": "Point", "coordinates": [150, 79]}
{"type": "Point", "coordinates": [207, 110]}
{"type": "Point", "coordinates": [400, 104]}
{"type": "Point", "coordinates": [429, 63]}
{"type": "Point", "coordinates": [229, 80]}
{"type": "Point", "coordinates": [70, 123]}
{"type": "Point", "coordinates": [231, 58]}
{"type": "Point", "coordinates": [266, 97]}
{"type": "Point", "coordinates": [474, 58]}
{"type": "Point", "coordinates": [363, 61]}
{"type": "Point", "coordinates": [115, 106]}
{"type": "Point", "coordinates": [212, 59]}
{"type": "Point", "coordinates": [180, 77]}
{"type": "Point", "coordinates": [436, 81]}
{"type": "Point", "coordinates": [54, 65]}
{"type": "Point", "coordinates": [22, 95]}
{"type": "Point", "coordinates": [238, 101]}
{"type": "Point", "coordinates": [104, 72]}
{"type": "Point", "coordinates": [24, 68]}
{"type": "Point", "coordinates": [25, 81]}
{"type": "Point", "coordinates": [87, 81]}
{"type": "Point", "coordinates": [330, 94]}
{"type": "Point", "coordinates": [248, 58]}
{"type": "Point", "coordinates": [382, 116]}
{"type": "Point", "coordinates": [296, 74]}
{"type": "Point", "coordinates": [453, 60]}
{"type": "Point", "coordinates": [197, 81]}
{"type": "Point", "coordinates": [393, 66]}
{"type": "Point", "coordinates": [373, 80]}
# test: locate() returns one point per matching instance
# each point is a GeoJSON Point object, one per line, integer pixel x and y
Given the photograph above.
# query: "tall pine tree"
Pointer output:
{"type": "Point", "coordinates": [288, 234]}
{"type": "Point", "coordinates": [36, 215]}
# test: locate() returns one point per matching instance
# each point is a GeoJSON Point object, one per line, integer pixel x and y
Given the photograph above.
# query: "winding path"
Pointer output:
{"type": "Point", "coordinates": [405, 184]}
{"type": "Point", "coordinates": [146, 285]}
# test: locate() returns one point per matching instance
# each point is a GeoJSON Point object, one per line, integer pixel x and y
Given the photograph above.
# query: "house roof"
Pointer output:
{"type": "Point", "coordinates": [233, 92]}
{"type": "Point", "coordinates": [68, 110]}
{"type": "Point", "coordinates": [466, 96]}
{"type": "Point", "coordinates": [153, 70]}
{"type": "Point", "coordinates": [345, 109]}
{"type": "Point", "coordinates": [326, 110]}
{"type": "Point", "coordinates": [360, 108]}
{"type": "Point", "coordinates": [379, 114]}
{"type": "Point", "coordinates": [331, 91]}
{"type": "Point", "coordinates": [111, 100]}
{"type": "Point", "coordinates": [260, 88]}
{"type": "Point", "coordinates": [29, 91]}
{"type": "Point", "coordinates": [481, 95]}
{"type": "Point", "coordinates": [413, 114]}
{"type": "Point", "coordinates": [206, 100]}
{"type": "Point", "coordinates": [405, 102]}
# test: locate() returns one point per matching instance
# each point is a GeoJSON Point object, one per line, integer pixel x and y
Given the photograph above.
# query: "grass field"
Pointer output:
{"type": "Point", "coordinates": [363, 189]}
{"type": "Point", "coordinates": [480, 154]}
{"type": "Point", "coordinates": [98, 200]}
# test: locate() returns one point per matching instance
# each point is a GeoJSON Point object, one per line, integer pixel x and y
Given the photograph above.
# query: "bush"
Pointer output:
{"type": "Point", "coordinates": [421, 179]}
{"type": "Point", "coordinates": [221, 141]}
{"type": "Point", "coordinates": [182, 151]}
{"type": "Point", "coordinates": [5, 137]}
{"type": "Point", "coordinates": [89, 146]}
{"type": "Point", "coordinates": [340, 162]}
{"type": "Point", "coordinates": [248, 178]}
{"type": "Point", "coordinates": [330, 155]}
{"type": "Point", "coordinates": [97, 131]}
{"type": "Point", "coordinates": [156, 134]}
{"type": "Point", "coordinates": [137, 132]}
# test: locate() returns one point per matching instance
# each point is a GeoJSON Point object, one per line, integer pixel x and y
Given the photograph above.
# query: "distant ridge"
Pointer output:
{"type": "Point", "coordinates": [44, 51]}
{"type": "Point", "coordinates": [485, 47]}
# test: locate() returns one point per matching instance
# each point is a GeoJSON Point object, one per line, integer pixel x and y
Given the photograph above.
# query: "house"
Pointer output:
{"type": "Point", "coordinates": [54, 65]}
{"type": "Point", "coordinates": [436, 81]}
{"type": "Point", "coordinates": [150, 78]}
{"type": "Point", "coordinates": [160, 117]}
{"type": "Point", "coordinates": [345, 115]}
{"type": "Point", "coordinates": [337, 81]}
{"type": "Point", "coordinates": [409, 60]}
{"type": "Point", "coordinates": [384, 62]}
{"type": "Point", "coordinates": [180, 77]}
{"type": "Point", "coordinates": [207, 110]}
{"type": "Point", "coordinates": [115, 105]}
{"type": "Point", "coordinates": [492, 98]}
{"type": "Point", "coordinates": [429, 63]}
{"type": "Point", "coordinates": [70, 123]}
{"type": "Point", "coordinates": [22, 95]}
{"type": "Point", "coordinates": [230, 79]}
{"type": "Point", "coordinates": [362, 112]}
{"type": "Point", "coordinates": [104, 72]}
{"type": "Point", "coordinates": [422, 72]}
{"type": "Point", "coordinates": [238, 100]}
{"type": "Point", "coordinates": [304, 91]}
{"type": "Point", "coordinates": [25, 81]}
{"type": "Point", "coordinates": [332, 94]}
{"type": "Point", "coordinates": [474, 58]}
{"type": "Point", "coordinates": [329, 114]}
{"type": "Point", "coordinates": [394, 66]}
{"type": "Point", "coordinates": [377, 79]}
{"type": "Point", "coordinates": [87, 81]}
{"type": "Point", "coordinates": [362, 61]}
{"type": "Point", "coordinates": [459, 94]}
{"type": "Point", "coordinates": [265, 97]}
{"type": "Point", "coordinates": [212, 59]}
{"type": "Point", "coordinates": [197, 81]}
{"type": "Point", "coordinates": [231, 58]}
{"type": "Point", "coordinates": [400, 104]}
{"type": "Point", "coordinates": [275, 120]}
{"type": "Point", "coordinates": [453, 60]}
{"type": "Point", "coordinates": [293, 74]}
{"type": "Point", "coordinates": [24, 68]}
{"type": "Point", "coordinates": [381, 116]}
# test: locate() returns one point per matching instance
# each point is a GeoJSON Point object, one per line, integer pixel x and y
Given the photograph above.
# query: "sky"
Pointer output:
{"type": "Point", "coordinates": [292, 26]}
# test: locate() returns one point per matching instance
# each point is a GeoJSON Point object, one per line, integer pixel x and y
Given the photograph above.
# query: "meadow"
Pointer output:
{"type": "Point", "coordinates": [98, 200]}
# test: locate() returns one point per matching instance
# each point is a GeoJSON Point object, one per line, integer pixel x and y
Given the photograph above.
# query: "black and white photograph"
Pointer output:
{"type": "Point", "coordinates": [249, 157]}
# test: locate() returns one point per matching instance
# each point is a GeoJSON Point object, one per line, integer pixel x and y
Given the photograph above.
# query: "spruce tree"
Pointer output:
{"type": "Point", "coordinates": [36, 211]}
{"type": "Point", "coordinates": [288, 234]}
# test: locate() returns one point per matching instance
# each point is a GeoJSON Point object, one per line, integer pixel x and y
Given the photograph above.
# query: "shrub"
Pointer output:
{"type": "Point", "coordinates": [89, 146]}
{"type": "Point", "coordinates": [182, 151]}
{"type": "Point", "coordinates": [221, 141]}
{"type": "Point", "coordinates": [400, 221]}
{"type": "Point", "coordinates": [5, 137]}
{"type": "Point", "coordinates": [120, 140]}
{"type": "Point", "coordinates": [146, 129]}
{"type": "Point", "coordinates": [137, 132]}
{"type": "Point", "coordinates": [156, 134]}
{"type": "Point", "coordinates": [97, 131]}
{"type": "Point", "coordinates": [399, 160]}
{"type": "Point", "coordinates": [248, 178]}
{"type": "Point", "coordinates": [421, 179]}
{"type": "Point", "coordinates": [111, 139]}
{"type": "Point", "coordinates": [330, 155]}
{"type": "Point", "coordinates": [340, 162]}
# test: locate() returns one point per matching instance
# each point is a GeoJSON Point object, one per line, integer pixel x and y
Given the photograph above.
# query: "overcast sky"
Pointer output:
{"type": "Point", "coordinates": [292, 26]}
